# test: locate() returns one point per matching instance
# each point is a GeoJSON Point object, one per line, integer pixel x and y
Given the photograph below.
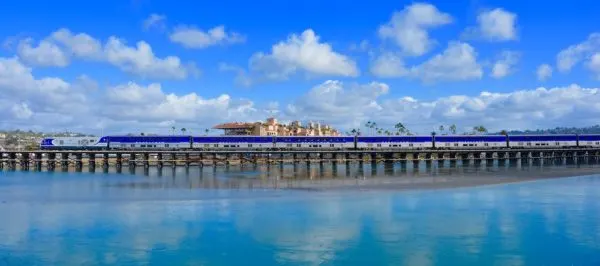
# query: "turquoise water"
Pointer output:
{"type": "Point", "coordinates": [105, 219]}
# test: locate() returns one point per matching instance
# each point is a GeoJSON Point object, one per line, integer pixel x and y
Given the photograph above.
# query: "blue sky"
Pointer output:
{"type": "Point", "coordinates": [341, 62]}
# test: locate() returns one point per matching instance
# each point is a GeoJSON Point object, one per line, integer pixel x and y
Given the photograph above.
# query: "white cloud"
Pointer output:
{"type": "Point", "coordinates": [351, 107]}
{"type": "Point", "coordinates": [21, 111]}
{"type": "Point", "coordinates": [544, 71]}
{"type": "Point", "coordinates": [457, 62]}
{"type": "Point", "coordinates": [572, 55]}
{"type": "Point", "coordinates": [504, 65]}
{"type": "Point", "coordinates": [594, 65]}
{"type": "Point", "coordinates": [45, 54]}
{"type": "Point", "coordinates": [155, 21]}
{"type": "Point", "coordinates": [408, 28]}
{"type": "Point", "coordinates": [389, 65]}
{"type": "Point", "coordinates": [191, 37]}
{"type": "Point", "coordinates": [332, 102]}
{"type": "Point", "coordinates": [139, 60]}
{"type": "Point", "coordinates": [51, 103]}
{"type": "Point", "coordinates": [35, 96]}
{"type": "Point", "coordinates": [150, 104]}
{"type": "Point", "coordinates": [495, 25]}
{"type": "Point", "coordinates": [79, 45]}
{"type": "Point", "coordinates": [132, 93]}
{"type": "Point", "coordinates": [302, 53]}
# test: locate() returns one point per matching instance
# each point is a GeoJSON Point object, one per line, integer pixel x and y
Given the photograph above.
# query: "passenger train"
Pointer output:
{"type": "Point", "coordinates": [442, 142]}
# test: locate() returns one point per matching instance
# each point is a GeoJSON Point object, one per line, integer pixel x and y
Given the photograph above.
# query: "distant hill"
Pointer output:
{"type": "Point", "coordinates": [559, 130]}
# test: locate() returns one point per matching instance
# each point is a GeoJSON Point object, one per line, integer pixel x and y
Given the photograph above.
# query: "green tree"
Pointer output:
{"type": "Point", "coordinates": [441, 129]}
{"type": "Point", "coordinates": [183, 130]}
{"type": "Point", "coordinates": [206, 131]}
{"type": "Point", "coordinates": [173, 130]}
{"type": "Point", "coordinates": [504, 132]}
{"type": "Point", "coordinates": [453, 129]}
{"type": "Point", "coordinates": [400, 128]}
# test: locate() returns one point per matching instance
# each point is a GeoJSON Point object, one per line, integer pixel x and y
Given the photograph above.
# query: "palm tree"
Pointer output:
{"type": "Point", "coordinates": [482, 130]}
{"type": "Point", "coordinates": [353, 132]}
{"type": "Point", "coordinates": [183, 130]}
{"type": "Point", "coordinates": [441, 129]}
{"type": "Point", "coordinates": [368, 124]}
{"type": "Point", "coordinates": [503, 132]}
{"type": "Point", "coordinates": [453, 129]}
{"type": "Point", "coordinates": [173, 130]}
{"type": "Point", "coordinates": [142, 134]}
{"type": "Point", "coordinates": [206, 131]}
{"type": "Point", "coordinates": [388, 133]}
{"type": "Point", "coordinates": [374, 126]}
{"type": "Point", "coordinates": [400, 128]}
{"type": "Point", "coordinates": [379, 131]}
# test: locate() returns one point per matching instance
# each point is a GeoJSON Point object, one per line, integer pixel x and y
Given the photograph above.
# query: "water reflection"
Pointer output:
{"type": "Point", "coordinates": [358, 175]}
{"type": "Point", "coordinates": [74, 219]}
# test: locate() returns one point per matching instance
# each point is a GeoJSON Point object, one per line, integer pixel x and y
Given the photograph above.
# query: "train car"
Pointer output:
{"type": "Point", "coordinates": [74, 143]}
{"type": "Point", "coordinates": [149, 142]}
{"type": "Point", "coordinates": [309, 142]}
{"type": "Point", "coordinates": [591, 141]}
{"type": "Point", "coordinates": [470, 142]}
{"type": "Point", "coordinates": [542, 141]}
{"type": "Point", "coordinates": [232, 142]}
{"type": "Point", "coordinates": [394, 142]}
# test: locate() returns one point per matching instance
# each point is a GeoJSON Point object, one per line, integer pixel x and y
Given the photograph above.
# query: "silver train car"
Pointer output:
{"type": "Point", "coordinates": [457, 142]}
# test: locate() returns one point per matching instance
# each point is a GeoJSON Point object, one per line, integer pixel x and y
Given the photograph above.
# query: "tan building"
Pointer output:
{"type": "Point", "coordinates": [272, 128]}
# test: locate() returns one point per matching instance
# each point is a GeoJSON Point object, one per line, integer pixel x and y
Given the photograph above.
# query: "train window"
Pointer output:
{"type": "Point", "coordinates": [455, 144]}
{"type": "Point", "coordinates": [206, 145]}
{"type": "Point", "coordinates": [143, 146]}
{"type": "Point", "coordinates": [133, 145]}
{"type": "Point", "coordinates": [166, 145]}
{"type": "Point", "coordinates": [465, 145]}
{"type": "Point", "coordinates": [378, 145]}
{"type": "Point", "coordinates": [486, 144]}
{"type": "Point", "coordinates": [249, 145]}
{"type": "Point", "coordinates": [289, 145]}
{"type": "Point", "coordinates": [216, 145]}
{"type": "Point", "coordinates": [331, 145]}
{"type": "Point", "coordinates": [410, 145]}
{"type": "Point", "coordinates": [61, 142]}
{"type": "Point", "coordinates": [226, 146]}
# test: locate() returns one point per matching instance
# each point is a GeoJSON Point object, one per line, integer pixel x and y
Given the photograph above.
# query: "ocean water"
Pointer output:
{"type": "Point", "coordinates": [163, 219]}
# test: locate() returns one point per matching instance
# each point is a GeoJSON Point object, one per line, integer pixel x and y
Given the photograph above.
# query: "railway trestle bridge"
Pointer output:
{"type": "Point", "coordinates": [78, 159]}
